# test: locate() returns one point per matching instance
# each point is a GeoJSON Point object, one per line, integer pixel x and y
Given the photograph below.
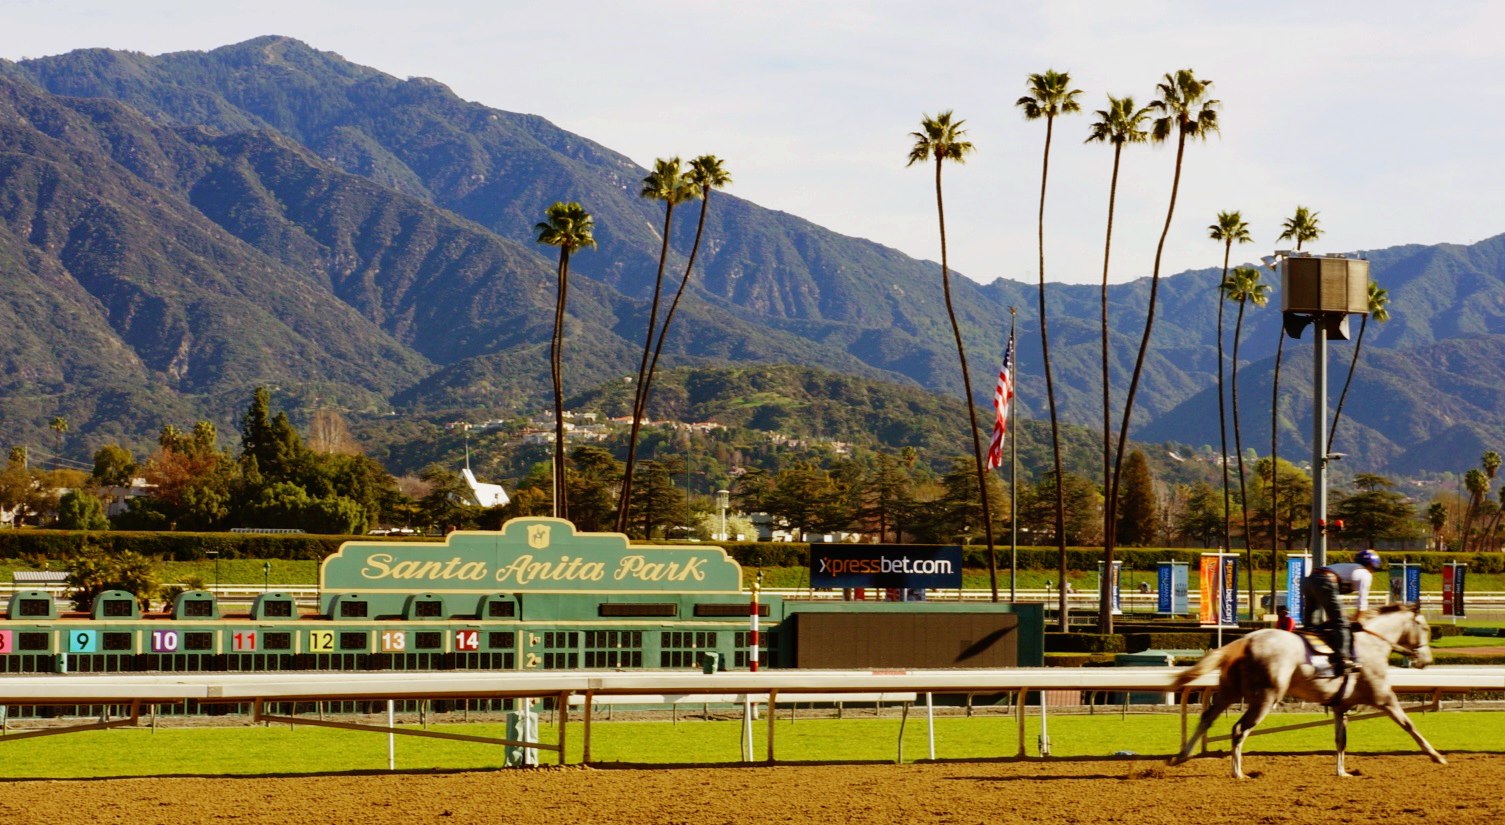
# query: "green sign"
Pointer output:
{"type": "Point", "coordinates": [528, 555]}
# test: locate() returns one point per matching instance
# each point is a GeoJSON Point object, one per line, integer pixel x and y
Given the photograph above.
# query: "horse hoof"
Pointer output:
{"type": "Point", "coordinates": [1439, 760]}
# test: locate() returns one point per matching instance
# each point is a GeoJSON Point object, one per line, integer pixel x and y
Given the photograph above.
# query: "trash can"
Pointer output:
{"type": "Point", "coordinates": [710, 662]}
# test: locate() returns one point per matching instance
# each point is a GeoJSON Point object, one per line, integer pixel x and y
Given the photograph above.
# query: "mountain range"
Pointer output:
{"type": "Point", "coordinates": [177, 229]}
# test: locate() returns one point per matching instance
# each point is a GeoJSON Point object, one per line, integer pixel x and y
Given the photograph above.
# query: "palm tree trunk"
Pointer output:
{"type": "Point", "coordinates": [1343, 396]}
{"type": "Point", "coordinates": [1144, 342]}
{"type": "Point", "coordinates": [663, 331]}
{"type": "Point", "coordinates": [1275, 462]}
{"type": "Point", "coordinates": [1050, 392]}
{"type": "Point", "coordinates": [556, 360]}
{"type": "Point", "coordinates": [640, 394]}
{"type": "Point", "coordinates": [961, 354]}
{"type": "Point", "coordinates": [1222, 414]}
{"type": "Point", "coordinates": [1238, 446]}
{"type": "Point", "coordinates": [1105, 612]}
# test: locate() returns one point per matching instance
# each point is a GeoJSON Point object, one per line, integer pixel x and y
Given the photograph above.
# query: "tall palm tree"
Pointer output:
{"type": "Point", "coordinates": [706, 173]}
{"type": "Point", "coordinates": [1230, 228]}
{"type": "Point", "coordinates": [1301, 227]}
{"type": "Point", "coordinates": [569, 227]}
{"type": "Point", "coordinates": [941, 138]}
{"type": "Point", "coordinates": [1050, 95]}
{"type": "Point", "coordinates": [668, 183]}
{"type": "Point", "coordinates": [1379, 300]}
{"type": "Point", "coordinates": [59, 425]}
{"type": "Point", "coordinates": [1477, 484]}
{"type": "Point", "coordinates": [1244, 287]}
{"type": "Point", "coordinates": [1185, 110]}
{"type": "Point", "coordinates": [1437, 518]}
{"type": "Point", "coordinates": [1118, 124]}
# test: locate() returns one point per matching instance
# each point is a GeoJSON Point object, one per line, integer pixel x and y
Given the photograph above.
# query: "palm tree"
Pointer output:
{"type": "Point", "coordinates": [1437, 518]}
{"type": "Point", "coordinates": [569, 227]}
{"type": "Point", "coordinates": [706, 173]}
{"type": "Point", "coordinates": [59, 425]}
{"type": "Point", "coordinates": [1118, 124]}
{"type": "Point", "coordinates": [941, 138]}
{"type": "Point", "coordinates": [1185, 110]}
{"type": "Point", "coordinates": [1301, 227]}
{"type": "Point", "coordinates": [1477, 484]}
{"type": "Point", "coordinates": [669, 184]}
{"type": "Point", "coordinates": [1050, 94]}
{"type": "Point", "coordinates": [1379, 299]}
{"type": "Point", "coordinates": [1245, 287]}
{"type": "Point", "coordinates": [1230, 228]}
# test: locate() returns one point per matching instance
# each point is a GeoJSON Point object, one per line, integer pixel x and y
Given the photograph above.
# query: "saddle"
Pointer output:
{"type": "Point", "coordinates": [1319, 654]}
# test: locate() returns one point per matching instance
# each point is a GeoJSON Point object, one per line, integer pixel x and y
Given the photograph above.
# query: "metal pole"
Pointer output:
{"type": "Point", "coordinates": [1319, 441]}
{"type": "Point", "coordinates": [1014, 473]}
{"type": "Point", "coordinates": [391, 738]}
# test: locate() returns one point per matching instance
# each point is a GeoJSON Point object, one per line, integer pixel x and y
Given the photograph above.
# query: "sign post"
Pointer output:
{"type": "Point", "coordinates": [1172, 579]}
{"type": "Point", "coordinates": [1113, 581]}
{"type": "Point", "coordinates": [1454, 576]}
{"type": "Point", "coordinates": [1297, 567]}
{"type": "Point", "coordinates": [1405, 583]}
{"type": "Point", "coordinates": [1219, 592]}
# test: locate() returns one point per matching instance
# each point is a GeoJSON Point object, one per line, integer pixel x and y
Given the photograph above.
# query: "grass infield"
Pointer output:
{"type": "Point", "coordinates": [861, 737]}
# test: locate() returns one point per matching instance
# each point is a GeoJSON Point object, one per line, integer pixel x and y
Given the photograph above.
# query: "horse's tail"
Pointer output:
{"type": "Point", "coordinates": [1221, 658]}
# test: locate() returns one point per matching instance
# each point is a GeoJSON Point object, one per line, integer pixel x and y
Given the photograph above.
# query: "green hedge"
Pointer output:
{"type": "Point", "coordinates": [170, 546]}
{"type": "Point", "coordinates": [180, 546]}
{"type": "Point", "coordinates": [1084, 643]}
{"type": "Point", "coordinates": [1078, 659]}
{"type": "Point", "coordinates": [1172, 640]}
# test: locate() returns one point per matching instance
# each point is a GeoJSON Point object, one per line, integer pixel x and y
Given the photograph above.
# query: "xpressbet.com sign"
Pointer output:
{"type": "Point", "coordinates": [891, 565]}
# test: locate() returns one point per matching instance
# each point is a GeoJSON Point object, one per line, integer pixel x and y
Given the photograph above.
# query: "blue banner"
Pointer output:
{"type": "Point", "coordinates": [1172, 579]}
{"type": "Point", "coordinates": [1295, 573]}
{"type": "Point", "coordinates": [1405, 583]}
{"type": "Point", "coordinates": [885, 565]}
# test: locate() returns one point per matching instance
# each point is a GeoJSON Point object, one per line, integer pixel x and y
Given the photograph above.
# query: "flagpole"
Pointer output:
{"type": "Point", "coordinates": [1013, 475]}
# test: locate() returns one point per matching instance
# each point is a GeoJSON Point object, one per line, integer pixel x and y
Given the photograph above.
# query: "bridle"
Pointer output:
{"type": "Point", "coordinates": [1408, 652]}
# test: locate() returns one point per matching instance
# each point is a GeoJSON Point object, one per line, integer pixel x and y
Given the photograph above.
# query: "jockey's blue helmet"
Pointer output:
{"type": "Point", "coordinates": [1368, 558]}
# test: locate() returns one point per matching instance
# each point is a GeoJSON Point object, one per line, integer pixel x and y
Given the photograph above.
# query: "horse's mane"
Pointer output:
{"type": "Point", "coordinates": [1383, 610]}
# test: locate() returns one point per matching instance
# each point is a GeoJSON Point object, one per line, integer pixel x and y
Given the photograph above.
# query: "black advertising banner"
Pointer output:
{"type": "Point", "coordinates": [886, 565]}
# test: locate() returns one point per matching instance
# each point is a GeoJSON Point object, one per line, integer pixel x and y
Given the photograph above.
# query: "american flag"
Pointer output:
{"type": "Point", "coordinates": [1002, 395]}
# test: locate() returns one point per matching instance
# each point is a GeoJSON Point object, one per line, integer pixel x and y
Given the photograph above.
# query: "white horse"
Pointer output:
{"type": "Point", "coordinates": [1269, 664]}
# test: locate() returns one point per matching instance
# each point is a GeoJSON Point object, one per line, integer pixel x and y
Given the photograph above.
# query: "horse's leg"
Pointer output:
{"type": "Point", "coordinates": [1340, 735]}
{"type": "Point", "coordinates": [1220, 702]}
{"type": "Point", "coordinates": [1257, 709]}
{"type": "Point", "coordinates": [1394, 711]}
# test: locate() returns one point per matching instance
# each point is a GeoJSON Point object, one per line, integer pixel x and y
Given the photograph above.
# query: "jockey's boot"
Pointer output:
{"type": "Point", "coordinates": [1341, 664]}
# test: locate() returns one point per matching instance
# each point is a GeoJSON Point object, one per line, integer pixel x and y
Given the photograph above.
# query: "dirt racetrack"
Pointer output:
{"type": "Point", "coordinates": [1290, 789]}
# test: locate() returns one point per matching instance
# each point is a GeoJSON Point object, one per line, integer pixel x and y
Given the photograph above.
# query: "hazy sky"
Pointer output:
{"type": "Point", "coordinates": [1386, 117]}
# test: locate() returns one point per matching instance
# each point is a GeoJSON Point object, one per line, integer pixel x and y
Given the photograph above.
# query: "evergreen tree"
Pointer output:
{"type": "Point", "coordinates": [1138, 513]}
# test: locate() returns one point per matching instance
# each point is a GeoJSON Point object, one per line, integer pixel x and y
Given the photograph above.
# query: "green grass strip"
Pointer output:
{"type": "Point", "coordinates": [279, 749]}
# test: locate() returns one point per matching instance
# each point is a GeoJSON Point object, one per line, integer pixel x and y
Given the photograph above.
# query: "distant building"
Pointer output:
{"type": "Point", "coordinates": [485, 495]}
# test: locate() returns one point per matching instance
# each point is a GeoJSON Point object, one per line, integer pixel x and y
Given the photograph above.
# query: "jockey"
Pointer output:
{"type": "Point", "coordinates": [1321, 611]}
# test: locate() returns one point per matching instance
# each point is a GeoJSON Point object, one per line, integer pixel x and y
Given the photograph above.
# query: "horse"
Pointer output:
{"type": "Point", "coordinates": [1269, 664]}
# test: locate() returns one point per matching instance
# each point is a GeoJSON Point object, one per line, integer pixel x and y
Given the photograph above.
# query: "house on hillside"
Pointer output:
{"type": "Point", "coordinates": [484, 495]}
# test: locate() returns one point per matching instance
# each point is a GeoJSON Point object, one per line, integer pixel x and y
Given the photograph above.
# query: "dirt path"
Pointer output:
{"type": "Point", "coordinates": [1290, 789]}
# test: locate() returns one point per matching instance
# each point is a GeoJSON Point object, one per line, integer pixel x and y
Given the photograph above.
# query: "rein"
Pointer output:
{"type": "Point", "coordinates": [1408, 652]}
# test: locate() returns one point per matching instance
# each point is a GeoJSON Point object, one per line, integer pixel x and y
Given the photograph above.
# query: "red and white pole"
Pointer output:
{"type": "Point", "coordinates": [752, 613]}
